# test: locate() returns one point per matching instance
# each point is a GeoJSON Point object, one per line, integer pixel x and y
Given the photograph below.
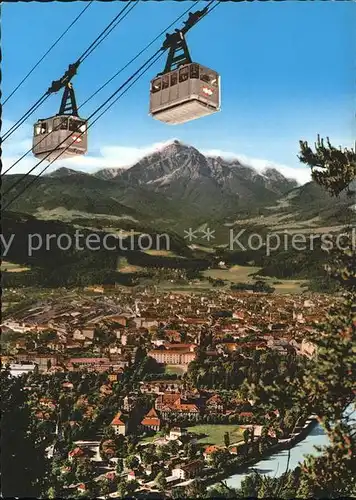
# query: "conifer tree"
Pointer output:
{"type": "Point", "coordinates": [330, 382]}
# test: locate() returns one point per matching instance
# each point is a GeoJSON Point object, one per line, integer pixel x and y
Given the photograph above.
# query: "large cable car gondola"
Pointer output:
{"type": "Point", "coordinates": [64, 134]}
{"type": "Point", "coordinates": [185, 90]}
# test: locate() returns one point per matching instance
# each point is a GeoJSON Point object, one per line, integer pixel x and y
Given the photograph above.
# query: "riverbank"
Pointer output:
{"type": "Point", "coordinates": [282, 445]}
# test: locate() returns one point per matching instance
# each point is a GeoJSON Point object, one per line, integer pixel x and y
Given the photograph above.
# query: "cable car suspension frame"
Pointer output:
{"type": "Point", "coordinates": [178, 54]}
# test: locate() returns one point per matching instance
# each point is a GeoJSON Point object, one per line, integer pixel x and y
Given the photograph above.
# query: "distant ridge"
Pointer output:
{"type": "Point", "coordinates": [178, 186]}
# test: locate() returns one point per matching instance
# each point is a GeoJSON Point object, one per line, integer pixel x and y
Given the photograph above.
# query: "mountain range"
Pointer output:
{"type": "Point", "coordinates": [162, 169]}
{"type": "Point", "coordinates": [177, 187]}
{"type": "Point", "coordinates": [180, 171]}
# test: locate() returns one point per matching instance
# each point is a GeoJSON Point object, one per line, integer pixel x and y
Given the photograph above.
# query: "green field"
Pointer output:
{"type": "Point", "coordinates": [242, 274]}
{"type": "Point", "coordinates": [235, 274]}
{"type": "Point", "coordinates": [124, 267]}
{"type": "Point", "coordinates": [202, 248]}
{"type": "Point", "coordinates": [288, 286]}
{"type": "Point", "coordinates": [10, 267]}
{"type": "Point", "coordinates": [163, 253]}
{"type": "Point", "coordinates": [232, 275]}
{"type": "Point", "coordinates": [214, 434]}
{"type": "Point", "coordinates": [173, 369]}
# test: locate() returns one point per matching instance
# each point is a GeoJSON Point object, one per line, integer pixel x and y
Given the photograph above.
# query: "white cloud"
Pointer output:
{"type": "Point", "coordinates": [24, 166]}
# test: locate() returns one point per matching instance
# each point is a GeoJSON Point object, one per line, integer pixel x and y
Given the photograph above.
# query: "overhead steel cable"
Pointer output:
{"type": "Point", "coordinates": [109, 28]}
{"type": "Point", "coordinates": [28, 113]}
{"type": "Point", "coordinates": [108, 81]}
{"type": "Point", "coordinates": [159, 54]}
{"type": "Point", "coordinates": [99, 39]}
{"type": "Point", "coordinates": [137, 56]}
{"type": "Point", "coordinates": [47, 52]}
{"type": "Point", "coordinates": [149, 62]}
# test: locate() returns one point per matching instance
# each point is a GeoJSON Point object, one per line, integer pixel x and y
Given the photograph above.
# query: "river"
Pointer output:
{"type": "Point", "coordinates": [276, 464]}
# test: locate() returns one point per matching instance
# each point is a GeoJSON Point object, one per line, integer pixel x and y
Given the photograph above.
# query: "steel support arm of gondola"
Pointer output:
{"type": "Point", "coordinates": [176, 44]}
{"type": "Point", "coordinates": [66, 78]}
{"type": "Point", "coordinates": [178, 51]}
{"type": "Point", "coordinates": [193, 18]}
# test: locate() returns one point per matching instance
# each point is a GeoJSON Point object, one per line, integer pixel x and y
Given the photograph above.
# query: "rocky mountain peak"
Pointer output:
{"type": "Point", "coordinates": [277, 178]}
{"type": "Point", "coordinates": [178, 150]}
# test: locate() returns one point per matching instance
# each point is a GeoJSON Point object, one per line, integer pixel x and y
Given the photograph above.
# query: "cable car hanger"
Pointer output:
{"type": "Point", "coordinates": [68, 104]}
{"type": "Point", "coordinates": [57, 85]}
{"type": "Point", "coordinates": [178, 49]}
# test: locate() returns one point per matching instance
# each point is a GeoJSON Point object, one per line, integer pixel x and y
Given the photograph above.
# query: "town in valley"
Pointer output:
{"type": "Point", "coordinates": [149, 392]}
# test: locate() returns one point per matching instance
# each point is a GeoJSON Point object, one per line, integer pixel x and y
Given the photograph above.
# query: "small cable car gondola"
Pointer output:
{"type": "Point", "coordinates": [185, 90]}
{"type": "Point", "coordinates": [64, 134]}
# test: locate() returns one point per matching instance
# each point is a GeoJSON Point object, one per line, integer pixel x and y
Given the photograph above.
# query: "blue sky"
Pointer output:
{"type": "Point", "coordinates": [287, 73]}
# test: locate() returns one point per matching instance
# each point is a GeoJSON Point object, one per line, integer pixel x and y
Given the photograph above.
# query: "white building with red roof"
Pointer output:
{"type": "Point", "coordinates": [151, 421]}
{"type": "Point", "coordinates": [119, 424]}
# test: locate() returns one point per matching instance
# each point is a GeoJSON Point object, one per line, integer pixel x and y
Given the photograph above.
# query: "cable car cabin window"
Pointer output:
{"type": "Point", "coordinates": [209, 77]}
{"type": "Point", "coordinates": [183, 75]}
{"type": "Point", "coordinates": [77, 126]}
{"type": "Point", "coordinates": [156, 85]}
{"type": "Point", "coordinates": [194, 71]}
{"type": "Point", "coordinates": [73, 125]}
{"type": "Point", "coordinates": [174, 79]}
{"type": "Point", "coordinates": [40, 128]}
{"type": "Point", "coordinates": [60, 124]}
{"type": "Point", "coordinates": [165, 82]}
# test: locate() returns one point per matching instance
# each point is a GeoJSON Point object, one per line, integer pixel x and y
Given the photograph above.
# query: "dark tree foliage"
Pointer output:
{"type": "Point", "coordinates": [332, 168]}
{"type": "Point", "coordinates": [23, 462]}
